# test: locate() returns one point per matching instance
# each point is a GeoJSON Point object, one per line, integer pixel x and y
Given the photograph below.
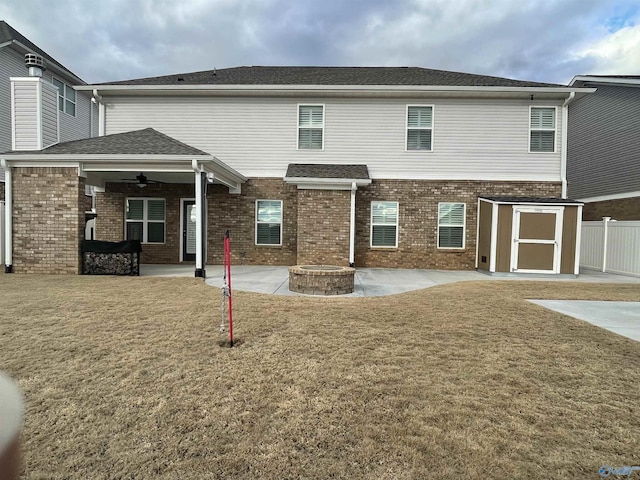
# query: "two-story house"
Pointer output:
{"type": "Point", "coordinates": [603, 166]}
{"type": "Point", "coordinates": [74, 120]}
{"type": "Point", "coordinates": [382, 167]}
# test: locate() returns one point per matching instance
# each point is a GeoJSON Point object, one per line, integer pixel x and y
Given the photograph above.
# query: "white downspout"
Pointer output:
{"type": "Point", "coordinates": [8, 209]}
{"type": "Point", "coordinates": [352, 225]}
{"type": "Point", "coordinates": [199, 209]}
{"type": "Point", "coordinates": [101, 113]}
{"type": "Point", "coordinates": [565, 136]}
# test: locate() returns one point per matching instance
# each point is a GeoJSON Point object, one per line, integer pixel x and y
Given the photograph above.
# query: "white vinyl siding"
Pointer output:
{"type": "Point", "coordinates": [451, 225]}
{"type": "Point", "coordinates": [542, 133]}
{"type": "Point", "coordinates": [311, 127]}
{"type": "Point", "coordinates": [145, 219]}
{"type": "Point", "coordinates": [50, 134]}
{"type": "Point", "coordinates": [420, 127]}
{"type": "Point", "coordinates": [268, 222]}
{"type": "Point", "coordinates": [26, 127]}
{"type": "Point", "coordinates": [384, 224]}
{"type": "Point", "coordinates": [477, 139]}
{"type": "Point", "coordinates": [11, 65]}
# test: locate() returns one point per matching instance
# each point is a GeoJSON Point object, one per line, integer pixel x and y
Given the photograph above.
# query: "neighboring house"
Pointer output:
{"type": "Point", "coordinates": [604, 147]}
{"type": "Point", "coordinates": [379, 167]}
{"type": "Point", "coordinates": [74, 120]}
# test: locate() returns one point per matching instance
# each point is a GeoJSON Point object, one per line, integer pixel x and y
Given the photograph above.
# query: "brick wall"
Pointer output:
{"type": "Point", "coordinates": [235, 213]}
{"type": "Point", "coordinates": [418, 219]}
{"type": "Point", "coordinates": [48, 220]}
{"type": "Point", "coordinates": [323, 227]}
{"type": "Point", "coordinates": [316, 222]}
{"type": "Point", "coordinates": [621, 209]}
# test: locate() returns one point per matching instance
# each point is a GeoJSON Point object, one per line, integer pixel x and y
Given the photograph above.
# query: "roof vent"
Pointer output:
{"type": "Point", "coordinates": [35, 64]}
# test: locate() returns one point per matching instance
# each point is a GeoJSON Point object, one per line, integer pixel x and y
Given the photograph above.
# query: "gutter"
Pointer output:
{"type": "Point", "coordinates": [8, 209]}
{"type": "Point", "coordinates": [97, 98]}
{"type": "Point", "coordinates": [565, 136]}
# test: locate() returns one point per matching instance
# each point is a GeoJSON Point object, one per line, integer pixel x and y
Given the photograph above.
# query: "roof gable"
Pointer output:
{"type": "Point", "coordinates": [9, 34]}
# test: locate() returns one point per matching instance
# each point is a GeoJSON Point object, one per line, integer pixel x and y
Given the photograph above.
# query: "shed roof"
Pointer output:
{"type": "Point", "coordinates": [539, 200]}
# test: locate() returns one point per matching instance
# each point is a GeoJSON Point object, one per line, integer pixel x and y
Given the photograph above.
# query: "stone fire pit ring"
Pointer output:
{"type": "Point", "coordinates": [321, 279]}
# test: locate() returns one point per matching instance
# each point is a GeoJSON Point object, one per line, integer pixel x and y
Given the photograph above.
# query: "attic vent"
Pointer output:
{"type": "Point", "coordinates": [35, 64]}
{"type": "Point", "coordinates": [180, 79]}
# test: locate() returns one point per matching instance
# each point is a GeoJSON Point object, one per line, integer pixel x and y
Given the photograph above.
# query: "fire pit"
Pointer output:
{"type": "Point", "coordinates": [321, 279]}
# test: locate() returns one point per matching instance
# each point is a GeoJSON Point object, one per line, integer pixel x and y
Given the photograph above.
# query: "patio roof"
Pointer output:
{"type": "Point", "coordinates": [333, 176]}
{"type": "Point", "coordinates": [104, 159]}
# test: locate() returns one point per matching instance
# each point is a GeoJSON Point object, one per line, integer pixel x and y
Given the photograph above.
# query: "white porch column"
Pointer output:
{"type": "Point", "coordinates": [352, 225]}
{"type": "Point", "coordinates": [8, 217]}
{"type": "Point", "coordinates": [200, 271]}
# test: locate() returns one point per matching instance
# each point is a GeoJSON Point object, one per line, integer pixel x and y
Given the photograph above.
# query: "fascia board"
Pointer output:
{"type": "Point", "coordinates": [330, 88]}
{"type": "Point", "coordinates": [590, 79]}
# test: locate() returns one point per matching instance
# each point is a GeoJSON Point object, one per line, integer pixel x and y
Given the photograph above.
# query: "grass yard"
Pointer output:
{"type": "Point", "coordinates": [127, 378]}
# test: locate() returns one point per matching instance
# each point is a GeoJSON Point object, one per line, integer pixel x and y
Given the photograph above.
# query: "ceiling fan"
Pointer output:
{"type": "Point", "coordinates": [140, 180]}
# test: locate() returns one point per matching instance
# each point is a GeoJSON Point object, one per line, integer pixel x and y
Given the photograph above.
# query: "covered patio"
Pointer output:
{"type": "Point", "coordinates": [133, 175]}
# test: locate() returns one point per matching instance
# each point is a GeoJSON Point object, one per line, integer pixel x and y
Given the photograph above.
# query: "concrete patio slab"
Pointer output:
{"type": "Point", "coordinates": [369, 282]}
{"type": "Point", "coordinates": [622, 318]}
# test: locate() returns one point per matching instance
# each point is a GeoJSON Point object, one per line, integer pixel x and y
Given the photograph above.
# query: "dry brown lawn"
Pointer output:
{"type": "Point", "coordinates": [129, 378]}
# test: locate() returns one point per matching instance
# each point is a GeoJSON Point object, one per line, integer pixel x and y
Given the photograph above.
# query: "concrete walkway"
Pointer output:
{"type": "Point", "coordinates": [622, 318]}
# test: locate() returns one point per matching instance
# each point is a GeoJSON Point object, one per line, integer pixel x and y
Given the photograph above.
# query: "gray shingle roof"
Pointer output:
{"type": "Point", "coordinates": [304, 170]}
{"type": "Point", "coordinates": [331, 76]}
{"type": "Point", "coordinates": [139, 142]}
{"type": "Point", "coordinates": [531, 200]}
{"type": "Point", "coordinates": [8, 33]}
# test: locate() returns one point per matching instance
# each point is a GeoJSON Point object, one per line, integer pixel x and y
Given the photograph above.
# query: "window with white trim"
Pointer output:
{"type": "Point", "coordinates": [384, 224]}
{"type": "Point", "coordinates": [419, 127]}
{"type": "Point", "coordinates": [310, 127]}
{"type": "Point", "coordinates": [145, 219]}
{"type": "Point", "coordinates": [451, 225]}
{"type": "Point", "coordinates": [66, 97]}
{"type": "Point", "coordinates": [542, 126]}
{"type": "Point", "coordinates": [268, 222]}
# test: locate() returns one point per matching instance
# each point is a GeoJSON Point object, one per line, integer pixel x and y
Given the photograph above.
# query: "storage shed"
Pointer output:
{"type": "Point", "coordinates": [528, 235]}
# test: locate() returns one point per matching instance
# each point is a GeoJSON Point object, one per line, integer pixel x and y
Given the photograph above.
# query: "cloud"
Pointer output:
{"type": "Point", "coordinates": [615, 54]}
{"type": "Point", "coordinates": [544, 40]}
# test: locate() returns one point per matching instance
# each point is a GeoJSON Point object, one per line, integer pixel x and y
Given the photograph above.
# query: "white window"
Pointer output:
{"type": "Point", "coordinates": [66, 97]}
{"type": "Point", "coordinates": [268, 222]}
{"type": "Point", "coordinates": [311, 127]}
{"type": "Point", "coordinates": [420, 127]}
{"type": "Point", "coordinates": [384, 224]}
{"type": "Point", "coordinates": [451, 225]}
{"type": "Point", "coordinates": [542, 129]}
{"type": "Point", "coordinates": [145, 219]}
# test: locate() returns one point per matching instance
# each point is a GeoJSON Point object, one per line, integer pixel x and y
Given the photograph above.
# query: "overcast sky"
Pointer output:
{"type": "Point", "coordinates": [549, 41]}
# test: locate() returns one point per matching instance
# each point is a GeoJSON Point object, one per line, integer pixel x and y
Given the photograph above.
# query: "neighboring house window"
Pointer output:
{"type": "Point", "coordinates": [66, 97]}
{"type": "Point", "coordinates": [145, 219]}
{"type": "Point", "coordinates": [542, 129]}
{"type": "Point", "coordinates": [419, 127]}
{"type": "Point", "coordinates": [311, 127]}
{"type": "Point", "coordinates": [268, 222]}
{"type": "Point", "coordinates": [451, 221]}
{"type": "Point", "coordinates": [384, 224]}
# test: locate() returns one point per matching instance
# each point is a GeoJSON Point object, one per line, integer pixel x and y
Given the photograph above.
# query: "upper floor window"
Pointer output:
{"type": "Point", "coordinates": [145, 219]}
{"type": "Point", "coordinates": [420, 127]}
{"type": "Point", "coordinates": [66, 97]}
{"type": "Point", "coordinates": [311, 127]}
{"type": "Point", "coordinates": [451, 223]}
{"type": "Point", "coordinates": [268, 222]}
{"type": "Point", "coordinates": [542, 128]}
{"type": "Point", "coordinates": [384, 224]}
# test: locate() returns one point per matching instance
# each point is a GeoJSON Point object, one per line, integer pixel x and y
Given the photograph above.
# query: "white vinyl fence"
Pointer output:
{"type": "Point", "coordinates": [611, 246]}
{"type": "Point", "coordinates": [2, 234]}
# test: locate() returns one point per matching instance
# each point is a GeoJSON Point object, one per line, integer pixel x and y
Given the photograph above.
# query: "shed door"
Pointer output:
{"type": "Point", "coordinates": [537, 239]}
